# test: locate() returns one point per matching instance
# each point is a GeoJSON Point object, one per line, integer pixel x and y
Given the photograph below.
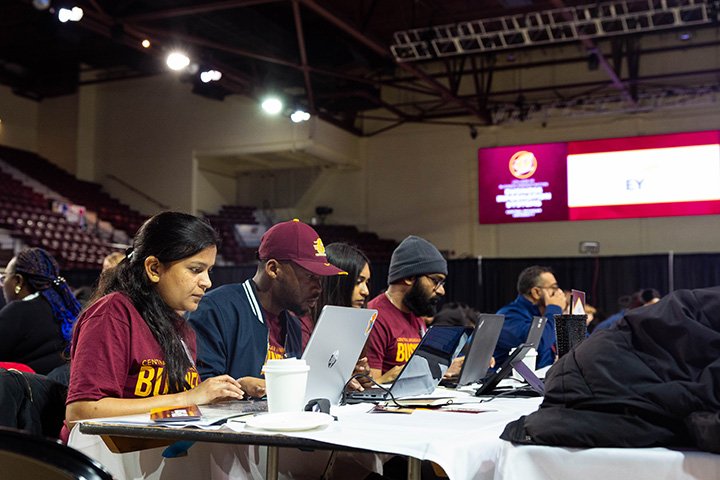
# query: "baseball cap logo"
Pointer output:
{"type": "Point", "coordinates": [523, 164]}
{"type": "Point", "coordinates": [319, 248]}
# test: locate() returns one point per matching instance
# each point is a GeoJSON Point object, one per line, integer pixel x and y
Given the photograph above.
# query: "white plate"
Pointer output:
{"type": "Point", "coordinates": [290, 421]}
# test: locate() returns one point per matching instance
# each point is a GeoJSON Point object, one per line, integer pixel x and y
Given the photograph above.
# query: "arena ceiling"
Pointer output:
{"type": "Point", "coordinates": [368, 66]}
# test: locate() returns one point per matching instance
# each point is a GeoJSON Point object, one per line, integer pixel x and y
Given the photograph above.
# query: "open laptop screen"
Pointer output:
{"type": "Point", "coordinates": [484, 339]}
{"type": "Point", "coordinates": [536, 330]}
{"type": "Point", "coordinates": [333, 350]}
{"type": "Point", "coordinates": [430, 361]}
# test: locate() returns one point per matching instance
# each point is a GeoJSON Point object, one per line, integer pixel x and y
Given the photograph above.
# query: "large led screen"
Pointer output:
{"type": "Point", "coordinates": [633, 177]}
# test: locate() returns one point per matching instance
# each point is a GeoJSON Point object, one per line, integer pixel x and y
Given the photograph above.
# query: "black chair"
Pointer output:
{"type": "Point", "coordinates": [30, 457]}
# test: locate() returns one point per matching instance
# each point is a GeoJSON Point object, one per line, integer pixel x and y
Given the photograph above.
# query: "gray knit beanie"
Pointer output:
{"type": "Point", "coordinates": [415, 256]}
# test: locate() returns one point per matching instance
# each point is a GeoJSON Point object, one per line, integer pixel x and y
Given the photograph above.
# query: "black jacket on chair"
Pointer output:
{"type": "Point", "coordinates": [652, 380]}
{"type": "Point", "coordinates": [31, 402]}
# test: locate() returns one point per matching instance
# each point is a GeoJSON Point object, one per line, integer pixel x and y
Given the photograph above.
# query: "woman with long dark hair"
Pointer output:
{"type": "Point", "coordinates": [132, 349]}
{"type": "Point", "coordinates": [36, 324]}
{"type": "Point", "coordinates": [349, 290]}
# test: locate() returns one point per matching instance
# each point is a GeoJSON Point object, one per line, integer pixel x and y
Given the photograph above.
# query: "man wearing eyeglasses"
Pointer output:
{"type": "Point", "coordinates": [538, 294]}
{"type": "Point", "coordinates": [416, 280]}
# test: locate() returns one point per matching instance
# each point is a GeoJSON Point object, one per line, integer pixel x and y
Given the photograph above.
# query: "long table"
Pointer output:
{"type": "Point", "coordinates": [465, 445]}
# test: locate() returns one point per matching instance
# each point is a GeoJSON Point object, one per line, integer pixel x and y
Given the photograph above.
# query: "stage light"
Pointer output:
{"type": "Point", "coordinates": [299, 116]}
{"type": "Point", "coordinates": [74, 15]}
{"type": "Point", "coordinates": [272, 105]}
{"type": "Point", "coordinates": [177, 61]}
{"type": "Point", "coordinates": [145, 43]}
{"type": "Point", "coordinates": [41, 4]}
{"type": "Point", "coordinates": [210, 76]}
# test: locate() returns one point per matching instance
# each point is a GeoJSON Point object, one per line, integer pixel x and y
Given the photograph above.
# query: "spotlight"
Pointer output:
{"type": "Point", "coordinates": [74, 15]}
{"type": "Point", "coordinates": [145, 43]}
{"type": "Point", "coordinates": [272, 105]}
{"type": "Point", "coordinates": [473, 132]}
{"type": "Point", "coordinates": [41, 4]}
{"type": "Point", "coordinates": [299, 116]}
{"type": "Point", "coordinates": [210, 76]}
{"type": "Point", "coordinates": [177, 61]}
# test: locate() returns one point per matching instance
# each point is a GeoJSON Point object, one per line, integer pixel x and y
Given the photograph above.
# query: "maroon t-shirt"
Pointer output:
{"type": "Point", "coordinates": [276, 337]}
{"type": "Point", "coordinates": [307, 324]}
{"type": "Point", "coordinates": [276, 334]}
{"type": "Point", "coordinates": [114, 354]}
{"type": "Point", "coordinates": [394, 337]}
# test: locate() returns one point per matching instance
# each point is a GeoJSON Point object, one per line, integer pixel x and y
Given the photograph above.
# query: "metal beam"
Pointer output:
{"type": "Point", "coordinates": [241, 52]}
{"type": "Point", "coordinates": [566, 61]}
{"type": "Point", "coordinates": [193, 10]}
{"type": "Point", "coordinates": [99, 22]}
{"type": "Point", "coordinates": [385, 53]}
{"type": "Point", "coordinates": [591, 47]}
{"type": "Point", "coordinates": [303, 55]}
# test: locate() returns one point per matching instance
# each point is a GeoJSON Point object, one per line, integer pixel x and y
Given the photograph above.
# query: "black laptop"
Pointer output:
{"type": "Point", "coordinates": [482, 345]}
{"type": "Point", "coordinates": [515, 361]}
{"type": "Point", "coordinates": [425, 369]}
{"type": "Point", "coordinates": [536, 330]}
{"type": "Point", "coordinates": [491, 382]}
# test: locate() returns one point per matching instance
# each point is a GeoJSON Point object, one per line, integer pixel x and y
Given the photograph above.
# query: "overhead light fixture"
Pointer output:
{"type": "Point", "coordinates": [272, 105]}
{"type": "Point", "coordinates": [177, 61]}
{"type": "Point", "coordinates": [70, 15]}
{"type": "Point", "coordinates": [41, 4]}
{"type": "Point", "coordinates": [145, 43]}
{"type": "Point", "coordinates": [300, 116]}
{"type": "Point", "coordinates": [210, 76]}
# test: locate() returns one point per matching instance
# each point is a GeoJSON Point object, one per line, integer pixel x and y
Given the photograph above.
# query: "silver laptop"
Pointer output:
{"type": "Point", "coordinates": [334, 348]}
{"type": "Point", "coordinates": [425, 369]}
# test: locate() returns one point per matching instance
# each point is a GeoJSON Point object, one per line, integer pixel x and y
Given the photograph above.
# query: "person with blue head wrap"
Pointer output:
{"type": "Point", "coordinates": [37, 322]}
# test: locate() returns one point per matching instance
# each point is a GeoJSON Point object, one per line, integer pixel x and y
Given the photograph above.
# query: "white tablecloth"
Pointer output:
{"type": "Point", "coordinates": [529, 462]}
{"type": "Point", "coordinates": [465, 445]}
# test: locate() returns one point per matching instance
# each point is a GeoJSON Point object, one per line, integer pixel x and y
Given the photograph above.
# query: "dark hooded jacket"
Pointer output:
{"type": "Point", "coordinates": [652, 380]}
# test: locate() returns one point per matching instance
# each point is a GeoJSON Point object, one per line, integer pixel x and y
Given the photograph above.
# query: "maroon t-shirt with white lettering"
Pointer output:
{"type": "Point", "coordinates": [394, 337]}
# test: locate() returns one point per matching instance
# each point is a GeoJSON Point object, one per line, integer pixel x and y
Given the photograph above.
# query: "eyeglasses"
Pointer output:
{"type": "Point", "coordinates": [551, 287]}
{"type": "Point", "coordinates": [438, 282]}
{"type": "Point", "coordinates": [3, 277]}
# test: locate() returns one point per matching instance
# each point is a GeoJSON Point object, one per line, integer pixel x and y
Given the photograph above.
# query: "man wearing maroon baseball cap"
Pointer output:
{"type": "Point", "coordinates": [240, 326]}
{"type": "Point", "coordinates": [299, 243]}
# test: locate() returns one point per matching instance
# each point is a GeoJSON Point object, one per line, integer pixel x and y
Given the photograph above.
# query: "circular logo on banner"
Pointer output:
{"type": "Point", "coordinates": [523, 164]}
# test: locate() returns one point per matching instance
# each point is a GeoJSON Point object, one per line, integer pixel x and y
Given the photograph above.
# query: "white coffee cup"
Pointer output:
{"type": "Point", "coordinates": [529, 360]}
{"type": "Point", "coordinates": [285, 383]}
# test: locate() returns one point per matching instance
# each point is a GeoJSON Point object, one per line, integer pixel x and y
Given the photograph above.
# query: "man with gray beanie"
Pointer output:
{"type": "Point", "coordinates": [415, 284]}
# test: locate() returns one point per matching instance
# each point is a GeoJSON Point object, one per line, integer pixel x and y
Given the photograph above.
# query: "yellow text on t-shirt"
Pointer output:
{"type": "Point", "coordinates": [405, 349]}
{"type": "Point", "coordinates": [151, 380]}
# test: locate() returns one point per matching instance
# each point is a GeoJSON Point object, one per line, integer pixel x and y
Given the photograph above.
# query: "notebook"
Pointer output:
{"type": "Point", "coordinates": [482, 345]}
{"type": "Point", "coordinates": [426, 367]}
{"type": "Point", "coordinates": [334, 348]}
